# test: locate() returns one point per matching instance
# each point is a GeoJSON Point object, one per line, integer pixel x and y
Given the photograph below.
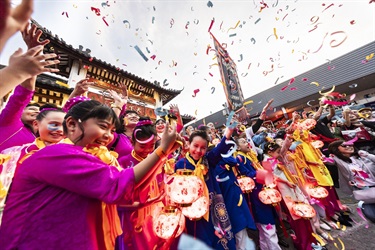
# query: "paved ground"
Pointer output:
{"type": "Point", "coordinates": [359, 237]}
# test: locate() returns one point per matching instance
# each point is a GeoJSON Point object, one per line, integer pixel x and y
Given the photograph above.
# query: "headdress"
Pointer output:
{"type": "Point", "coordinates": [73, 101]}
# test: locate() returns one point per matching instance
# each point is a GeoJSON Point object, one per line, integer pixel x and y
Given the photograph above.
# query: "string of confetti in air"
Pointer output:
{"type": "Point", "coordinates": [233, 28]}
{"type": "Point", "coordinates": [103, 18]}
{"type": "Point", "coordinates": [140, 53]}
{"type": "Point", "coordinates": [126, 22]}
{"type": "Point", "coordinates": [96, 11]}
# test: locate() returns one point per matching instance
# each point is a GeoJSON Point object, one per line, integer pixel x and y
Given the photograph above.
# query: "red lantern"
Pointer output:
{"type": "Point", "coordinates": [247, 184]}
{"type": "Point", "coordinates": [185, 188]}
{"type": "Point", "coordinates": [303, 210]}
{"type": "Point", "coordinates": [166, 222]}
{"type": "Point", "coordinates": [197, 209]}
{"type": "Point", "coordinates": [269, 196]}
{"type": "Point", "coordinates": [317, 192]}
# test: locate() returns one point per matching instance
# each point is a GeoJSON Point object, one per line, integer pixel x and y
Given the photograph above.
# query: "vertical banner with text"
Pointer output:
{"type": "Point", "coordinates": [230, 81]}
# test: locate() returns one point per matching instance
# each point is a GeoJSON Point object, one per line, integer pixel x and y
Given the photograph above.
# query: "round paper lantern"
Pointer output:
{"type": "Point", "coordinates": [247, 184]}
{"type": "Point", "coordinates": [166, 222]}
{"type": "Point", "coordinates": [303, 210]}
{"type": "Point", "coordinates": [317, 192]}
{"type": "Point", "coordinates": [269, 196]}
{"type": "Point", "coordinates": [197, 209]}
{"type": "Point", "coordinates": [185, 188]}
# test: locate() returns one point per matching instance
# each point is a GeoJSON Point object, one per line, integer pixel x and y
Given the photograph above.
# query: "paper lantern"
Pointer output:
{"type": "Point", "coordinates": [185, 188]}
{"type": "Point", "coordinates": [269, 196]}
{"type": "Point", "coordinates": [247, 184]}
{"type": "Point", "coordinates": [166, 222]}
{"type": "Point", "coordinates": [303, 210]}
{"type": "Point", "coordinates": [317, 192]}
{"type": "Point", "coordinates": [197, 209]}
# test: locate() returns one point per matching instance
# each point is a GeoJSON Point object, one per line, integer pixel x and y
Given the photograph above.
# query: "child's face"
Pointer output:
{"type": "Point", "coordinates": [274, 154]}
{"type": "Point", "coordinates": [243, 145]}
{"type": "Point", "coordinates": [97, 132]}
{"type": "Point", "coordinates": [144, 149]}
{"type": "Point", "coordinates": [159, 126]}
{"type": "Point", "coordinates": [197, 147]}
{"type": "Point", "coordinates": [50, 127]}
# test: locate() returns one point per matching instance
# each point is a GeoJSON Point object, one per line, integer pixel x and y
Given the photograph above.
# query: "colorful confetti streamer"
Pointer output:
{"type": "Point", "coordinates": [140, 53]}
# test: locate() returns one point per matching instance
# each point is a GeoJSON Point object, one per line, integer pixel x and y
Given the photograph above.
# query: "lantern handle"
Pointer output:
{"type": "Point", "coordinates": [149, 202]}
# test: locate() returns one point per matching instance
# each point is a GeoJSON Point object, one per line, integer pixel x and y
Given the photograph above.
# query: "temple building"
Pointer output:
{"type": "Point", "coordinates": [76, 64]}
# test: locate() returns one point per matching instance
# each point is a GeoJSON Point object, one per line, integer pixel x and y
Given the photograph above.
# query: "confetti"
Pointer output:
{"type": "Point", "coordinates": [284, 88]}
{"type": "Point", "coordinates": [352, 22]}
{"type": "Point", "coordinates": [153, 57]}
{"type": "Point", "coordinates": [304, 79]}
{"type": "Point", "coordinates": [232, 35]}
{"type": "Point", "coordinates": [248, 102]}
{"type": "Point", "coordinates": [294, 88]}
{"type": "Point", "coordinates": [187, 25]}
{"type": "Point", "coordinates": [369, 57]}
{"type": "Point", "coordinates": [66, 14]}
{"type": "Point", "coordinates": [210, 74]}
{"type": "Point", "coordinates": [212, 90]}
{"type": "Point", "coordinates": [241, 57]}
{"type": "Point", "coordinates": [103, 18]}
{"type": "Point", "coordinates": [98, 32]}
{"type": "Point", "coordinates": [315, 83]}
{"type": "Point", "coordinates": [195, 92]}
{"type": "Point", "coordinates": [171, 22]}
{"type": "Point", "coordinates": [165, 83]}
{"type": "Point", "coordinates": [274, 33]}
{"type": "Point", "coordinates": [291, 81]}
{"type": "Point", "coordinates": [276, 80]}
{"type": "Point", "coordinates": [126, 22]}
{"type": "Point", "coordinates": [232, 28]}
{"type": "Point", "coordinates": [210, 4]}
{"type": "Point", "coordinates": [96, 10]}
{"type": "Point", "coordinates": [140, 53]}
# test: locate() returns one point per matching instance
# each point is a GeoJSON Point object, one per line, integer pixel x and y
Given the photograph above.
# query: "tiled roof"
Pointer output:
{"type": "Point", "coordinates": [85, 57]}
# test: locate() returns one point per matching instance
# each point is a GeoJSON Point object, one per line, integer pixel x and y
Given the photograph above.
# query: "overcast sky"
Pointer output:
{"type": "Point", "coordinates": [270, 41]}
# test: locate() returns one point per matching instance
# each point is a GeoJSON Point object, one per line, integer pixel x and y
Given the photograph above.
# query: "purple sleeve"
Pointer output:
{"type": "Point", "coordinates": [68, 167]}
{"type": "Point", "coordinates": [12, 112]}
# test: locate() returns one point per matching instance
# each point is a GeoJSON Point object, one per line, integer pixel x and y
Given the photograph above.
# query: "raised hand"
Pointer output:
{"type": "Point", "coordinates": [13, 19]}
{"type": "Point", "coordinates": [31, 36]}
{"type": "Point", "coordinates": [31, 64]}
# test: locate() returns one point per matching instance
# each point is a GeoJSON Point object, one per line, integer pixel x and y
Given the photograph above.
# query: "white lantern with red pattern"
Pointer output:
{"type": "Point", "coordinates": [269, 196]}
{"type": "Point", "coordinates": [185, 188]}
{"type": "Point", "coordinates": [246, 184]}
{"type": "Point", "coordinates": [167, 221]}
{"type": "Point", "coordinates": [198, 209]}
{"type": "Point", "coordinates": [317, 192]}
{"type": "Point", "coordinates": [303, 210]}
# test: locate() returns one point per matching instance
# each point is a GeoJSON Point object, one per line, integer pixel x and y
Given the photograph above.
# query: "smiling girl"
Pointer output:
{"type": "Point", "coordinates": [48, 124]}
{"type": "Point", "coordinates": [61, 196]}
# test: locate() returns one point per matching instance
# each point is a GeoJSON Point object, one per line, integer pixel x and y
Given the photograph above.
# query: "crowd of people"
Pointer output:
{"type": "Point", "coordinates": [90, 176]}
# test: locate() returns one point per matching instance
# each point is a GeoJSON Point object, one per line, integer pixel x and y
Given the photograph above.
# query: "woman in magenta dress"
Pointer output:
{"type": "Point", "coordinates": [61, 196]}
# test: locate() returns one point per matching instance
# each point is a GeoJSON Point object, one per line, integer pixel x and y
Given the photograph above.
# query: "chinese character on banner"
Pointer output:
{"type": "Point", "coordinates": [231, 83]}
